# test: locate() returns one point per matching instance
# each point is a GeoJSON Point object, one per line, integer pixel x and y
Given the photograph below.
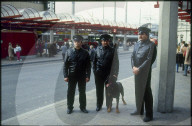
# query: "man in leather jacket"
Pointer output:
{"type": "Point", "coordinates": [105, 63]}
{"type": "Point", "coordinates": [143, 56]}
{"type": "Point", "coordinates": [76, 69]}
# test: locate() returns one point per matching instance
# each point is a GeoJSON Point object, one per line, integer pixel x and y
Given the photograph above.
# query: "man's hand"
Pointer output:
{"type": "Point", "coordinates": [107, 85]}
{"type": "Point", "coordinates": [135, 70]}
{"type": "Point", "coordinates": [87, 79]}
{"type": "Point", "coordinates": [66, 79]}
{"type": "Point", "coordinates": [115, 76]}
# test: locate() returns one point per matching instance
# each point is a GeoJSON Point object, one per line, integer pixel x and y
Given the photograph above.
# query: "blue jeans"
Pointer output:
{"type": "Point", "coordinates": [177, 66]}
{"type": "Point", "coordinates": [185, 70]}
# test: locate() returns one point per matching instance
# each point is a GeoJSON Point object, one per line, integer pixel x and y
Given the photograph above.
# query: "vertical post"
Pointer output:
{"type": "Point", "coordinates": [167, 55]}
{"type": "Point", "coordinates": [73, 13]}
{"type": "Point", "coordinates": [114, 36]}
{"type": "Point", "coordinates": [125, 33]}
{"type": "Point", "coordinates": [103, 11]}
{"type": "Point", "coordinates": [51, 31]}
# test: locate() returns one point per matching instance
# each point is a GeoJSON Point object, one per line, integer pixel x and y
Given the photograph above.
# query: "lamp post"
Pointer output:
{"type": "Point", "coordinates": [181, 37]}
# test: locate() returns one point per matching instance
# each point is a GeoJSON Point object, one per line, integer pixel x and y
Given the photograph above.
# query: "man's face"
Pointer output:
{"type": "Point", "coordinates": [104, 43]}
{"type": "Point", "coordinates": [77, 44]}
{"type": "Point", "coordinates": [142, 37]}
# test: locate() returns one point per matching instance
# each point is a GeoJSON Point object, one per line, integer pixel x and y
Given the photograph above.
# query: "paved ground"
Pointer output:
{"type": "Point", "coordinates": [55, 114]}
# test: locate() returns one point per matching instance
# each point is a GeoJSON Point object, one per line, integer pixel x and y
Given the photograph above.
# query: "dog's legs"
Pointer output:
{"type": "Point", "coordinates": [110, 104]}
{"type": "Point", "coordinates": [117, 106]}
{"type": "Point", "coordinates": [123, 101]}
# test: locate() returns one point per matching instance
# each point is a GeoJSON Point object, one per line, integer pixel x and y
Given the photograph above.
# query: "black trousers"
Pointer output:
{"type": "Point", "coordinates": [148, 98]}
{"type": "Point", "coordinates": [99, 83]}
{"type": "Point", "coordinates": [71, 92]}
{"type": "Point", "coordinates": [63, 56]}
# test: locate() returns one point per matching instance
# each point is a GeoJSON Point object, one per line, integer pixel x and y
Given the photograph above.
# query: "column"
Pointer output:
{"type": "Point", "coordinates": [167, 55]}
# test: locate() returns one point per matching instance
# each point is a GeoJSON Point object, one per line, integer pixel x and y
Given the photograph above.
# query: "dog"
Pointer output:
{"type": "Point", "coordinates": [113, 90]}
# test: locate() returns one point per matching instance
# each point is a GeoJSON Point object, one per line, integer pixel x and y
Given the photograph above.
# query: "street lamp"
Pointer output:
{"type": "Point", "coordinates": [181, 36]}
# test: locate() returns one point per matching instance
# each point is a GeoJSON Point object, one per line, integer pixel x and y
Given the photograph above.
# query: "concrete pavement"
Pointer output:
{"type": "Point", "coordinates": [55, 114]}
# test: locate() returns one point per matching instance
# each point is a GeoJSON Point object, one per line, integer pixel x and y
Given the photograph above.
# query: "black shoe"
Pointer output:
{"type": "Point", "coordinates": [137, 113]}
{"type": "Point", "coordinates": [69, 111]}
{"type": "Point", "coordinates": [98, 109]}
{"type": "Point", "coordinates": [147, 119]}
{"type": "Point", "coordinates": [84, 110]}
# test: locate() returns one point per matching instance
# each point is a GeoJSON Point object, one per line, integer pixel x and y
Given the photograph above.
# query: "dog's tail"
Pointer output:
{"type": "Point", "coordinates": [121, 88]}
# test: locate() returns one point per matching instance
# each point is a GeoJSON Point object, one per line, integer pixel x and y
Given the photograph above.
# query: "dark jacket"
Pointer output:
{"type": "Point", "coordinates": [142, 55]}
{"type": "Point", "coordinates": [105, 61]}
{"type": "Point", "coordinates": [77, 63]}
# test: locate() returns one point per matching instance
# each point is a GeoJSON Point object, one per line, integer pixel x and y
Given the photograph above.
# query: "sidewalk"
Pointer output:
{"type": "Point", "coordinates": [55, 114]}
{"type": "Point", "coordinates": [35, 59]}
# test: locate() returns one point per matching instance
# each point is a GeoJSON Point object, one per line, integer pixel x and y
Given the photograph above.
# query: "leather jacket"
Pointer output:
{"type": "Point", "coordinates": [142, 56]}
{"type": "Point", "coordinates": [105, 61]}
{"type": "Point", "coordinates": [77, 63]}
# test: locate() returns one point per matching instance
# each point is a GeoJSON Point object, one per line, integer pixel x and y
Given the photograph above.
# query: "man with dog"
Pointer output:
{"type": "Point", "coordinates": [103, 66]}
{"type": "Point", "coordinates": [143, 56]}
{"type": "Point", "coordinates": [76, 69]}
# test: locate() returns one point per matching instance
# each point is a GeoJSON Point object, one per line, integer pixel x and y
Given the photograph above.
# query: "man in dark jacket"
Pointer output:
{"type": "Point", "coordinates": [143, 56]}
{"type": "Point", "coordinates": [103, 66]}
{"type": "Point", "coordinates": [76, 69]}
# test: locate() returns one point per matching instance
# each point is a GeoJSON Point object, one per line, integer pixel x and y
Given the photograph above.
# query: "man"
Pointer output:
{"type": "Point", "coordinates": [103, 66]}
{"type": "Point", "coordinates": [91, 52]}
{"type": "Point", "coordinates": [76, 69]}
{"type": "Point", "coordinates": [64, 49]}
{"type": "Point", "coordinates": [142, 58]}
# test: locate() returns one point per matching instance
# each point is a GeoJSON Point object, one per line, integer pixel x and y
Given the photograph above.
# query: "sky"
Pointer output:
{"type": "Point", "coordinates": [138, 13]}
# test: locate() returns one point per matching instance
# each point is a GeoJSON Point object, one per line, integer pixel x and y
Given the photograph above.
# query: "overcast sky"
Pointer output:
{"type": "Point", "coordinates": [137, 12]}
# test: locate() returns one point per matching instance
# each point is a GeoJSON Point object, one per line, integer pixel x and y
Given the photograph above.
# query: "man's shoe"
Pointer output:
{"type": "Point", "coordinates": [69, 111]}
{"type": "Point", "coordinates": [84, 110]}
{"type": "Point", "coordinates": [137, 113]}
{"type": "Point", "coordinates": [147, 119]}
{"type": "Point", "coordinates": [98, 109]}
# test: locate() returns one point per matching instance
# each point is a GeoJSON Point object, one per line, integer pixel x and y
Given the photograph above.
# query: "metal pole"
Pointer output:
{"type": "Point", "coordinates": [114, 20]}
{"type": "Point", "coordinates": [125, 33]}
{"type": "Point", "coordinates": [73, 13]}
{"type": "Point", "coordinates": [51, 31]}
{"type": "Point", "coordinates": [103, 10]}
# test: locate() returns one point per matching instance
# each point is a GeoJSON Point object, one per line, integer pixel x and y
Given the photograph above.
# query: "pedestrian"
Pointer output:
{"type": "Point", "coordinates": [143, 56]}
{"type": "Point", "coordinates": [10, 52]}
{"type": "Point", "coordinates": [102, 66]}
{"type": "Point", "coordinates": [91, 52]}
{"type": "Point", "coordinates": [46, 48]}
{"type": "Point", "coordinates": [183, 50]}
{"type": "Point", "coordinates": [179, 58]}
{"type": "Point", "coordinates": [187, 59]}
{"type": "Point", "coordinates": [64, 49]}
{"type": "Point", "coordinates": [76, 69]}
{"type": "Point", "coordinates": [17, 50]}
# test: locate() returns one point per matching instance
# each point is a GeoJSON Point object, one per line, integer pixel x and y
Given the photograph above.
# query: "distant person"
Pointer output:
{"type": "Point", "coordinates": [142, 59]}
{"type": "Point", "coordinates": [91, 53]}
{"type": "Point", "coordinates": [17, 50]}
{"type": "Point", "coordinates": [64, 49]}
{"type": "Point", "coordinates": [187, 59]}
{"type": "Point", "coordinates": [179, 58]}
{"type": "Point", "coordinates": [46, 48]}
{"type": "Point", "coordinates": [10, 52]}
{"type": "Point", "coordinates": [76, 69]}
{"type": "Point", "coordinates": [67, 45]}
{"type": "Point", "coordinates": [183, 50]}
